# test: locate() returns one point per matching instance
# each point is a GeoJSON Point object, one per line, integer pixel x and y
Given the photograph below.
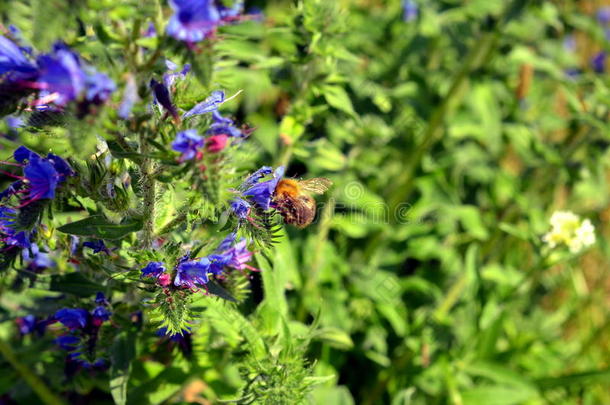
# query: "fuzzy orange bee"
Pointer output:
{"type": "Point", "coordinates": [293, 200]}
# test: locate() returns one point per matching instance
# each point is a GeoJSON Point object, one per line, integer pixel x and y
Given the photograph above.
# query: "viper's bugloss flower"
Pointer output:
{"type": "Point", "coordinates": [192, 272]}
{"type": "Point", "coordinates": [162, 96]}
{"type": "Point", "coordinates": [15, 67]}
{"type": "Point", "coordinates": [72, 318]}
{"type": "Point", "coordinates": [27, 324]}
{"type": "Point", "coordinates": [240, 207]}
{"type": "Point", "coordinates": [42, 179]}
{"type": "Point", "coordinates": [409, 10]}
{"type": "Point", "coordinates": [174, 72]}
{"type": "Point", "coordinates": [7, 219]}
{"type": "Point", "coordinates": [193, 20]}
{"type": "Point", "coordinates": [97, 246]}
{"type": "Point", "coordinates": [568, 229]}
{"type": "Point", "coordinates": [603, 15]}
{"type": "Point", "coordinates": [162, 332]}
{"type": "Point", "coordinates": [153, 269]}
{"type": "Point", "coordinates": [36, 259]}
{"type": "Point", "coordinates": [208, 105]}
{"type": "Point", "coordinates": [64, 78]}
{"type": "Point", "coordinates": [598, 62]}
{"type": "Point", "coordinates": [238, 255]}
{"type": "Point", "coordinates": [100, 299]}
{"type": "Point", "coordinates": [224, 126]}
{"type": "Point", "coordinates": [68, 342]}
{"type": "Point", "coordinates": [100, 314]}
{"type": "Point", "coordinates": [188, 143]}
{"type": "Point", "coordinates": [216, 143]}
{"type": "Point", "coordinates": [262, 193]}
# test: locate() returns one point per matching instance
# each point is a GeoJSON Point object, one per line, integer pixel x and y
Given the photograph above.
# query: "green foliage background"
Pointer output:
{"type": "Point", "coordinates": [450, 139]}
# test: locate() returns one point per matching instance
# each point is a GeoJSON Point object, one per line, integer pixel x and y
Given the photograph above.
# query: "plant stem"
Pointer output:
{"type": "Point", "coordinates": [37, 385]}
{"type": "Point", "coordinates": [149, 191]}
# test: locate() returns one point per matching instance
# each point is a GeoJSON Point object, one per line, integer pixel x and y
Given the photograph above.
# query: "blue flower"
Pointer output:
{"type": "Point", "coordinates": [73, 318]}
{"type": "Point", "coordinates": [409, 10]}
{"type": "Point", "coordinates": [22, 154]}
{"type": "Point", "coordinates": [240, 207]}
{"type": "Point", "coordinates": [174, 73]}
{"type": "Point", "coordinates": [192, 272]}
{"type": "Point", "coordinates": [262, 193]}
{"type": "Point", "coordinates": [19, 239]}
{"type": "Point", "coordinates": [7, 219]}
{"type": "Point", "coordinates": [97, 246]}
{"type": "Point", "coordinates": [68, 342]}
{"type": "Point", "coordinates": [36, 259]}
{"type": "Point", "coordinates": [99, 87]}
{"type": "Point", "coordinates": [239, 255]}
{"type": "Point", "coordinates": [100, 314]}
{"type": "Point", "coordinates": [14, 63]}
{"type": "Point", "coordinates": [208, 105]}
{"type": "Point", "coordinates": [603, 15]}
{"type": "Point", "coordinates": [188, 142]}
{"type": "Point", "coordinates": [61, 75]}
{"type": "Point", "coordinates": [61, 166]}
{"type": "Point", "coordinates": [598, 62]}
{"type": "Point", "coordinates": [100, 299]}
{"type": "Point", "coordinates": [162, 96]}
{"type": "Point", "coordinates": [26, 324]}
{"type": "Point", "coordinates": [42, 179]}
{"type": "Point", "coordinates": [221, 125]}
{"type": "Point", "coordinates": [193, 20]}
{"type": "Point", "coordinates": [153, 269]}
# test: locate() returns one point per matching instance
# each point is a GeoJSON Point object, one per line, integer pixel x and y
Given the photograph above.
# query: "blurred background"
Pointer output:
{"type": "Point", "coordinates": [452, 131]}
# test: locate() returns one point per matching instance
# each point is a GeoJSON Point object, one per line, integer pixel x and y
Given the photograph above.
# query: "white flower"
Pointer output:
{"type": "Point", "coordinates": [568, 229]}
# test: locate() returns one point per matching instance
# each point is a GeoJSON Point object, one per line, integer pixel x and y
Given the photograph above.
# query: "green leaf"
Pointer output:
{"type": "Point", "coordinates": [217, 290]}
{"type": "Point", "coordinates": [99, 227]}
{"type": "Point", "coordinates": [337, 97]}
{"type": "Point", "coordinates": [74, 283]}
{"type": "Point", "coordinates": [496, 395]}
{"type": "Point", "coordinates": [123, 352]}
{"type": "Point", "coordinates": [335, 337]}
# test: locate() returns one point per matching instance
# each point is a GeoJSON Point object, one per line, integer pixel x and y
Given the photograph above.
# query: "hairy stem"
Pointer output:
{"type": "Point", "coordinates": [37, 385]}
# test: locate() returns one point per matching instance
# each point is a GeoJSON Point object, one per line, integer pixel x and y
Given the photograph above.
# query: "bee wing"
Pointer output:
{"type": "Point", "coordinates": [316, 185]}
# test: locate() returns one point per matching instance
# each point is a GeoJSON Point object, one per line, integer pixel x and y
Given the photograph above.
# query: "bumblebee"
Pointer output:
{"type": "Point", "coordinates": [293, 201]}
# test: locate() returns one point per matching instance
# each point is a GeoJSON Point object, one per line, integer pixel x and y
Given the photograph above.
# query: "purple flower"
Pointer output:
{"type": "Point", "coordinates": [193, 20]}
{"type": "Point", "coordinates": [14, 63]}
{"type": "Point", "coordinates": [603, 15]}
{"type": "Point", "coordinates": [68, 342]}
{"type": "Point", "coordinates": [26, 324]}
{"type": "Point", "coordinates": [239, 255]}
{"type": "Point", "coordinates": [262, 193]}
{"type": "Point", "coordinates": [97, 246]}
{"type": "Point", "coordinates": [36, 259]}
{"type": "Point", "coordinates": [19, 239]}
{"type": "Point", "coordinates": [162, 332]}
{"type": "Point", "coordinates": [61, 75]}
{"type": "Point", "coordinates": [61, 166]}
{"type": "Point", "coordinates": [42, 179]}
{"type": "Point", "coordinates": [174, 73]}
{"type": "Point", "coordinates": [162, 96]}
{"type": "Point", "coordinates": [223, 126]}
{"type": "Point", "coordinates": [598, 62]}
{"type": "Point", "coordinates": [22, 154]}
{"type": "Point", "coordinates": [7, 219]}
{"type": "Point", "coordinates": [192, 272]}
{"type": "Point", "coordinates": [210, 104]}
{"type": "Point", "coordinates": [100, 314]}
{"type": "Point", "coordinates": [409, 10]}
{"type": "Point", "coordinates": [150, 31]}
{"type": "Point", "coordinates": [100, 299]}
{"type": "Point", "coordinates": [188, 142]}
{"type": "Point", "coordinates": [14, 122]}
{"type": "Point", "coordinates": [153, 269]}
{"type": "Point", "coordinates": [99, 87]}
{"type": "Point", "coordinates": [240, 207]}
{"type": "Point", "coordinates": [73, 318]}
{"type": "Point", "coordinates": [130, 96]}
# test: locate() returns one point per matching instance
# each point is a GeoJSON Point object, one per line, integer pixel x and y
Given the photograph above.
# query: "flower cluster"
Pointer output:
{"type": "Point", "coordinates": [191, 273]}
{"type": "Point", "coordinates": [82, 328]}
{"type": "Point", "coordinates": [59, 77]}
{"type": "Point", "coordinates": [253, 191]}
{"type": "Point", "coordinates": [569, 230]}
{"type": "Point", "coordinates": [195, 20]}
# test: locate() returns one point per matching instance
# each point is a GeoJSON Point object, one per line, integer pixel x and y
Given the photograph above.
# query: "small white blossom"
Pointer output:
{"type": "Point", "coordinates": [568, 229]}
